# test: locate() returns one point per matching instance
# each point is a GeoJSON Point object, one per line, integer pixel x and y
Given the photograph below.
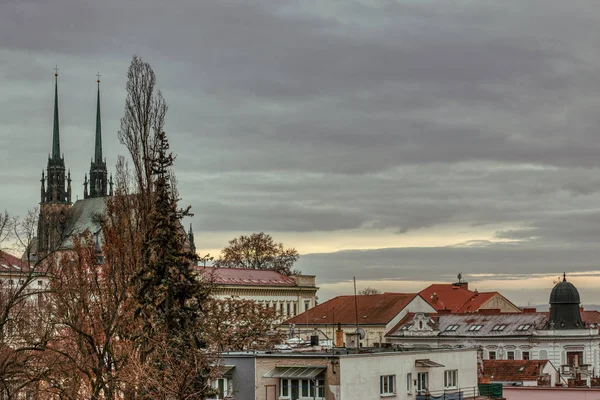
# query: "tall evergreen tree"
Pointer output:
{"type": "Point", "coordinates": [169, 295]}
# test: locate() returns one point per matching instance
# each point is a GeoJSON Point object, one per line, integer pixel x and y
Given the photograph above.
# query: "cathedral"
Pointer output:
{"type": "Point", "coordinates": [59, 218]}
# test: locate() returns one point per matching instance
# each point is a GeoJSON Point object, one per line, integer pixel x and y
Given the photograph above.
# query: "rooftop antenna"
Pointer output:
{"type": "Point", "coordinates": [355, 302]}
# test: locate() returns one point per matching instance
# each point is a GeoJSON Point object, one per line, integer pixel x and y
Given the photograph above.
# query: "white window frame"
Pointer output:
{"type": "Point", "coordinates": [409, 383]}
{"type": "Point", "coordinates": [387, 385]}
{"type": "Point", "coordinates": [490, 352]}
{"type": "Point", "coordinates": [423, 382]}
{"type": "Point", "coordinates": [508, 354]}
{"type": "Point", "coordinates": [312, 386]}
{"type": "Point", "coordinates": [451, 379]}
{"type": "Point", "coordinates": [227, 385]}
{"type": "Point", "coordinates": [528, 355]}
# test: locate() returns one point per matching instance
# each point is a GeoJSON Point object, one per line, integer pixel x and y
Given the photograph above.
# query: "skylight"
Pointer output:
{"type": "Point", "coordinates": [498, 328]}
{"type": "Point", "coordinates": [451, 328]}
{"type": "Point", "coordinates": [475, 327]}
{"type": "Point", "coordinates": [523, 327]}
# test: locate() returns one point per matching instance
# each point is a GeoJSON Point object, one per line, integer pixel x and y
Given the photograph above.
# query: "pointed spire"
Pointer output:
{"type": "Point", "coordinates": [98, 150]}
{"type": "Point", "coordinates": [111, 186]}
{"type": "Point", "coordinates": [55, 134]}
{"type": "Point", "coordinates": [564, 276]}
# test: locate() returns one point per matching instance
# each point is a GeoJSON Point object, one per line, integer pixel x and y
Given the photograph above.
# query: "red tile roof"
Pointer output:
{"type": "Point", "coordinates": [372, 309]}
{"type": "Point", "coordinates": [10, 263]}
{"type": "Point", "coordinates": [476, 301]}
{"type": "Point", "coordinates": [246, 277]}
{"type": "Point", "coordinates": [449, 296]}
{"type": "Point", "coordinates": [513, 370]}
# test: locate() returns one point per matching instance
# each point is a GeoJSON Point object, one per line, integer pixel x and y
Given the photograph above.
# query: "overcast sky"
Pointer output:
{"type": "Point", "coordinates": [400, 142]}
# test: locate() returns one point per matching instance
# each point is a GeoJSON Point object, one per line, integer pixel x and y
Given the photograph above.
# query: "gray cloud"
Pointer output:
{"type": "Point", "coordinates": [329, 116]}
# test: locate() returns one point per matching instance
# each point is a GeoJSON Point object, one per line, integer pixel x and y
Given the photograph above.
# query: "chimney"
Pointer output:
{"type": "Point", "coordinates": [444, 311]}
{"type": "Point", "coordinates": [529, 310]}
{"type": "Point", "coordinates": [339, 336]}
{"type": "Point", "coordinates": [464, 285]}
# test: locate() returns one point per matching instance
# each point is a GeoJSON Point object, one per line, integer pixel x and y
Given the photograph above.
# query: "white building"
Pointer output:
{"type": "Point", "coordinates": [289, 295]}
{"type": "Point", "coordinates": [561, 336]}
{"type": "Point", "coordinates": [350, 375]}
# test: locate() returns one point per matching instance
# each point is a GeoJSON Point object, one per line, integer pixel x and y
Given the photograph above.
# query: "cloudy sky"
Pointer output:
{"type": "Point", "coordinates": [400, 142]}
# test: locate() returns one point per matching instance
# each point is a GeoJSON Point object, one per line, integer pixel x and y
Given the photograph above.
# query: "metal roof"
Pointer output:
{"type": "Point", "coordinates": [295, 372]}
{"type": "Point", "coordinates": [427, 363]}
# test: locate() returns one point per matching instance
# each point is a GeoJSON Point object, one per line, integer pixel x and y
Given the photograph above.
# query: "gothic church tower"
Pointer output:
{"type": "Point", "coordinates": [55, 202]}
{"type": "Point", "coordinates": [98, 175]}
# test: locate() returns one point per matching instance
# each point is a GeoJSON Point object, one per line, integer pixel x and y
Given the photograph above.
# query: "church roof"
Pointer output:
{"type": "Point", "coordinates": [82, 217]}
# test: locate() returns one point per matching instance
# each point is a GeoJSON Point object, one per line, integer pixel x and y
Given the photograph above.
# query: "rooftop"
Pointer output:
{"type": "Point", "coordinates": [372, 309]}
{"type": "Point", "coordinates": [513, 370]}
{"type": "Point", "coordinates": [479, 324]}
{"type": "Point", "coordinates": [10, 263]}
{"type": "Point", "coordinates": [246, 277]}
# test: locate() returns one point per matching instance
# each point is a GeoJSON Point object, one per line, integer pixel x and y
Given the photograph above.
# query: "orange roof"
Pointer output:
{"type": "Point", "coordinates": [372, 309]}
{"type": "Point", "coordinates": [449, 296]}
{"type": "Point", "coordinates": [513, 370]}
{"type": "Point", "coordinates": [476, 301]}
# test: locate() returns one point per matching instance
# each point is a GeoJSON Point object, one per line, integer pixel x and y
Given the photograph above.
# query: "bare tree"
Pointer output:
{"type": "Point", "coordinates": [258, 251]}
{"type": "Point", "coordinates": [369, 291]}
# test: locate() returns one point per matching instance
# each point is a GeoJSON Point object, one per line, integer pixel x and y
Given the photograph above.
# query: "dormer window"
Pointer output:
{"type": "Point", "coordinates": [451, 328]}
{"type": "Point", "coordinates": [524, 327]}
{"type": "Point", "coordinates": [475, 328]}
{"type": "Point", "coordinates": [498, 328]}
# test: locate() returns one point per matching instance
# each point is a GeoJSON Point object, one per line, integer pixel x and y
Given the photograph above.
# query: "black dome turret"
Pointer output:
{"type": "Point", "coordinates": [564, 306]}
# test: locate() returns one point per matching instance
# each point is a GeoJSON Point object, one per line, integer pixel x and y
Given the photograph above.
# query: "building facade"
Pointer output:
{"type": "Point", "coordinates": [289, 295]}
{"type": "Point", "coordinates": [347, 375]}
{"type": "Point", "coordinates": [560, 336]}
{"type": "Point", "coordinates": [374, 314]}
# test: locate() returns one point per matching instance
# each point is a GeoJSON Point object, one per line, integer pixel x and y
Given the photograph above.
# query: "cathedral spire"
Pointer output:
{"type": "Point", "coordinates": [98, 150]}
{"type": "Point", "coordinates": [98, 175]}
{"type": "Point", "coordinates": [55, 134]}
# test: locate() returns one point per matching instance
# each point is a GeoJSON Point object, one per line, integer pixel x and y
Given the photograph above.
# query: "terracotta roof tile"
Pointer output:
{"type": "Point", "coordinates": [477, 300]}
{"type": "Point", "coordinates": [247, 277]}
{"type": "Point", "coordinates": [446, 296]}
{"type": "Point", "coordinates": [10, 263]}
{"type": "Point", "coordinates": [513, 370]}
{"type": "Point", "coordinates": [372, 309]}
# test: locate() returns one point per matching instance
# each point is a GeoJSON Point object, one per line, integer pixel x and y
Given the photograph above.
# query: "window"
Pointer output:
{"type": "Point", "coordinates": [450, 379]}
{"type": "Point", "coordinates": [491, 355]}
{"type": "Point", "coordinates": [409, 383]}
{"type": "Point", "coordinates": [524, 327]}
{"type": "Point", "coordinates": [510, 355]}
{"type": "Point", "coordinates": [422, 382]}
{"type": "Point", "coordinates": [306, 305]}
{"type": "Point", "coordinates": [223, 386]}
{"type": "Point", "coordinates": [302, 388]}
{"type": "Point", "coordinates": [387, 384]}
{"type": "Point", "coordinates": [295, 308]}
{"type": "Point", "coordinates": [451, 328]}
{"type": "Point", "coordinates": [39, 283]}
{"type": "Point", "coordinates": [287, 309]}
{"type": "Point", "coordinates": [475, 327]}
{"type": "Point", "coordinates": [281, 308]}
{"type": "Point", "coordinates": [526, 355]}
{"type": "Point", "coordinates": [499, 328]}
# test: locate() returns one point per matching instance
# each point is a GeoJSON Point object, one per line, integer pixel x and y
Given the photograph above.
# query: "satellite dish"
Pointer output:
{"type": "Point", "coordinates": [361, 333]}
